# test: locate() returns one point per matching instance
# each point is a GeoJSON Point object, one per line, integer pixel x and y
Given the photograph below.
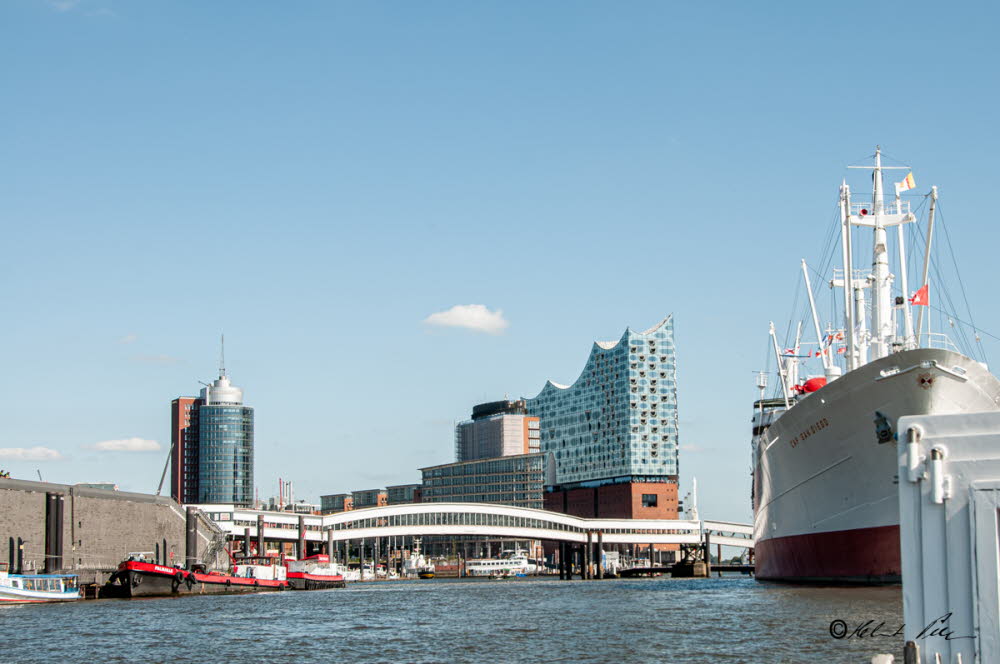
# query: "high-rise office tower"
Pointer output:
{"type": "Point", "coordinates": [212, 442]}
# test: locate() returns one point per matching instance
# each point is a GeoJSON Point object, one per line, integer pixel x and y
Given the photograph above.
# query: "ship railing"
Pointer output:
{"type": "Point", "coordinates": [938, 340]}
{"type": "Point", "coordinates": [888, 208]}
{"type": "Point", "coordinates": [859, 275]}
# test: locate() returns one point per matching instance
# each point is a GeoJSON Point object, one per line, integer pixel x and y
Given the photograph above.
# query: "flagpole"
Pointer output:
{"type": "Point", "coordinates": [927, 264]}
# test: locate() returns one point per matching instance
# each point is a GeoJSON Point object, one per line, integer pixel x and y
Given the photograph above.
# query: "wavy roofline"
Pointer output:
{"type": "Point", "coordinates": [599, 346]}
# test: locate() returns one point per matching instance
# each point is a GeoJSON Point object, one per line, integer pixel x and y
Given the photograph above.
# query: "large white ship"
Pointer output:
{"type": "Point", "coordinates": [824, 456]}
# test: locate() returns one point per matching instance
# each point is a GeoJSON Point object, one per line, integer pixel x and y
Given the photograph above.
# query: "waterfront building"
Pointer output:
{"type": "Point", "coordinates": [403, 494]}
{"type": "Point", "coordinates": [517, 480]}
{"type": "Point", "coordinates": [613, 433]}
{"type": "Point", "coordinates": [497, 428]}
{"type": "Point", "coordinates": [369, 498]}
{"type": "Point", "coordinates": [337, 502]}
{"type": "Point", "coordinates": [212, 446]}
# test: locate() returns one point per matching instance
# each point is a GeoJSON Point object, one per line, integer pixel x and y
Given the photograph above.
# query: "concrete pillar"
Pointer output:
{"type": "Point", "coordinates": [50, 532]}
{"type": "Point", "coordinates": [191, 541]}
{"type": "Point", "coordinates": [600, 554]}
{"type": "Point", "coordinates": [329, 544]}
{"type": "Point", "coordinates": [300, 544]}
{"type": "Point", "coordinates": [587, 553]}
{"type": "Point", "coordinates": [260, 534]}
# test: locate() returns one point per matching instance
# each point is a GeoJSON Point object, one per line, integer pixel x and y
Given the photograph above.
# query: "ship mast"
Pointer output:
{"type": "Point", "coordinates": [882, 287]}
{"type": "Point", "coordinates": [880, 279]}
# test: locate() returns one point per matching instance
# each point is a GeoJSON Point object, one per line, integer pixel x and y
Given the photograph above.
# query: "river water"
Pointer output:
{"type": "Point", "coordinates": [659, 620]}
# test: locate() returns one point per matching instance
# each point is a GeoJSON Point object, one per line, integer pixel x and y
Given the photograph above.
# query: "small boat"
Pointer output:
{"type": "Point", "coordinates": [417, 565]}
{"type": "Point", "coordinates": [34, 588]}
{"type": "Point", "coordinates": [315, 573]}
{"type": "Point", "coordinates": [138, 578]}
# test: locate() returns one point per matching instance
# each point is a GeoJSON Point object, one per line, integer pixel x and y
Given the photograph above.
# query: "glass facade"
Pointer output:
{"type": "Point", "coordinates": [510, 480]}
{"type": "Point", "coordinates": [225, 454]}
{"type": "Point", "coordinates": [618, 421]}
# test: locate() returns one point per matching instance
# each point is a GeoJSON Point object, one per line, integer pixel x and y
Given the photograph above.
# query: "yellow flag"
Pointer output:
{"type": "Point", "coordinates": [907, 183]}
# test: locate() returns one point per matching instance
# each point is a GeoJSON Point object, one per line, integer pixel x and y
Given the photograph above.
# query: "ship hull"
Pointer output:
{"type": "Point", "coordinates": [304, 581]}
{"type": "Point", "coordinates": [825, 498]}
{"type": "Point", "coordinates": [134, 579]}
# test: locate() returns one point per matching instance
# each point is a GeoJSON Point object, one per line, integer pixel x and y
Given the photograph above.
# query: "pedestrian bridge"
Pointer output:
{"type": "Point", "coordinates": [471, 519]}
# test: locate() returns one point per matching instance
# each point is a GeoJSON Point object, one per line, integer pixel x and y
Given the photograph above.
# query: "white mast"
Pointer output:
{"type": "Point", "coordinates": [880, 278]}
{"type": "Point", "coordinates": [781, 369]}
{"type": "Point", "coordinates": [812, 306]}
{"type": "Point", "coordinates": [845, 242]}
{"type": "Point", "coordinates": [908, 340]}
{"type": "Point", "coordinates": [882, 286]}
{"type": "Point", "coordinates": [927, 263]}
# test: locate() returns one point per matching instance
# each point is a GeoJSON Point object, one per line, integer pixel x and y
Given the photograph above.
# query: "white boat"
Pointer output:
{"type": "Point", "coordinates": [513, 562]}
{"type": "Point", "coordinates": [315, 573]}
{"type": "Point", "coordinates": [417, 565]}
{"type": "Point", "coordinates": [824, 458]}
{"type": "Point", "coordinates": [36, 588]}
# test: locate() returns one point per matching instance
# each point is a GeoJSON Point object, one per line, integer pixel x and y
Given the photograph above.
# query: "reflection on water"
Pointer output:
{"type": "Point", "coordinates": [528, 620]}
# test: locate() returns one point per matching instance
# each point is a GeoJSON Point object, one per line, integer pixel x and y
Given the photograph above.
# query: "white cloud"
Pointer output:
{"type": "Point", "coordinates": [472, 317]}
{"type": "Point", "coordinates": [129, 339]}
{"type": "Point", "coordinates": [125, 445]}
{"type": "Point", "coordinates": [37, 453]}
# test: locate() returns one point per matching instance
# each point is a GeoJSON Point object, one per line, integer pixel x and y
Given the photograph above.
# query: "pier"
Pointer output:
{"type": "Point", "coordinates": [580, 541]}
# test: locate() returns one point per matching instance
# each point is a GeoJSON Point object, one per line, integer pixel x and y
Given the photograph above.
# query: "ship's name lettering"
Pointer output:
{"type": "Point", "coordinates": [817, 426]}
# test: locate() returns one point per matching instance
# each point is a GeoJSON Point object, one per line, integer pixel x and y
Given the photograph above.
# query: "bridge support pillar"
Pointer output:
{"type": "Point", "coordinates": [587, 555]}
{"type": "Point", "coordinates": [300, 543]}
{"type": "Point", "coordinates": [260, 534]}
{"type": "Point", "coordinates": [600, 554]}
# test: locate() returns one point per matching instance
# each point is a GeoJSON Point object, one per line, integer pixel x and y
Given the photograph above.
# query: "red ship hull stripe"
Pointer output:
{"type": "Point", "coordinates": [862, 555]}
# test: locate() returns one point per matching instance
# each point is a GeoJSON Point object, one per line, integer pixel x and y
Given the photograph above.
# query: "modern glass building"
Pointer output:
{"type": "Point", "coordinates": [618, 422]}
{"type": "Point", "coordinates": [225, 446]}
{"type": "Point", "coordinates": [509, 480]}
{"type": "Point", "coordinates": [212, 446]}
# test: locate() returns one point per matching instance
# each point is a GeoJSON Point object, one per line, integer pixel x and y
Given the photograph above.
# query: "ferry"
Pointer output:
{"type": "Point", "coordinates": [510, 563]}
{"type": "Point", "coordinates": [824, 483]}
{"type": "Point", "coordinates": [138, 578]}
{"type": "Point", "coordinates": [315, 573]}
{"type": "Point", "coordinates": [36, 588]}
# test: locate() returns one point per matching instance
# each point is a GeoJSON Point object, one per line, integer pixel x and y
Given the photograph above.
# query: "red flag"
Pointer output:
{"type": "Point", "coordinates": [841, 350]}
{"type": "Point", "coordinates": [920, 298]}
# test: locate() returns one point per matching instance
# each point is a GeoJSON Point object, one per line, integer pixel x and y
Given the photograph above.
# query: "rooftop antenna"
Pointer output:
{"type": "Point", "coordinates": [222, 358]}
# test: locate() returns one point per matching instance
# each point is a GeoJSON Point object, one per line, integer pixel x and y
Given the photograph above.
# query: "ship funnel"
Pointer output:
{"type": "Point", "coordinates": [833, 372]}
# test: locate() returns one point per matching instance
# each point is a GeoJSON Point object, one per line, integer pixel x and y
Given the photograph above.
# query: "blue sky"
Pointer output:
{"type": "Point", "coordinates": [315, 179]}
